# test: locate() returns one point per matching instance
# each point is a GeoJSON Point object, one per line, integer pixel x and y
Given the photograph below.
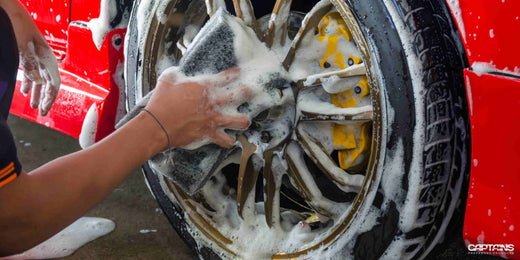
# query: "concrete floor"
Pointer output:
{"type": "Point", "coordinates": [130, 206]}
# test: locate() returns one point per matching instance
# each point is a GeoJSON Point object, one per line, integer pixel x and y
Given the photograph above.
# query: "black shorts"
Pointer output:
{"type": "Point", "coordinates": [10, 167]}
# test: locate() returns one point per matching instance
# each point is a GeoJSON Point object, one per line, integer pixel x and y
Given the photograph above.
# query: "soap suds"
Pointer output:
{"type": "Point", "coordinates": [87, 137]}
{"type": "Point", "coordinates": [470, 96]}
{"type": "Point", "coordinates": [100, 26]}
{"type": "Point", "coordinates": [119, 80]}
{"type": "Point", "coordinates": [146, 231]}
{"type": "Point", "coordinates": [455, 9]}
{"type": "Point", "coordinates": [70, 239]}
{"type": "Point", "coordinates": [481, 68]}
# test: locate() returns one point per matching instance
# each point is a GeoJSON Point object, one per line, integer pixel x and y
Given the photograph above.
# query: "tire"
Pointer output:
{"type": "Point", "coordinates": [417, 192]}
{"type": "Point", "coordinates": [436, 108]}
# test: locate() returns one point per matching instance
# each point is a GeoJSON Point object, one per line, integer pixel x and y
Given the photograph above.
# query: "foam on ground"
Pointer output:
{"type": "Point", "coordinates": [70, 239]}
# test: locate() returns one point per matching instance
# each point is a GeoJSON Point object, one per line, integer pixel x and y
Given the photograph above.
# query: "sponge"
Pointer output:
{"type": "Point", "coordinates": [223, 43]}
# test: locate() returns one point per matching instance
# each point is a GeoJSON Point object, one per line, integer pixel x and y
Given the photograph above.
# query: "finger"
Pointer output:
{"type": "Point", "coordinates": [49, 96]}
{"type": "Point", "coordinates": [246, 91]}
{"type": "Point", "coordinates": [222, 139]}
{"type": "Point", "coordinates": [45, 73]}
{"type": "Point", "coordinates": [239, 95]}
{"type": "Point", "coordinates": [169, 75]}
{"type": "Point", "coordinates": [35, 95]}
{"type": "Point", "coordinates": [224, 99]}
{"type": "Point", "coordinates": [233, 122]}
{"type": "Point", "coordinates": [26, 86]}
{"type": "Point", "coordinates": [53, 84]}
{"type": "Point", "coordinates": [35, 76]}
{"type": "Point", "coordinates": [225, 78]}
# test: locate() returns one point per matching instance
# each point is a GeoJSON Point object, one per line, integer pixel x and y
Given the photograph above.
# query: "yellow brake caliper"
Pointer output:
{"type": "Point", "coordinates": [351, 141]}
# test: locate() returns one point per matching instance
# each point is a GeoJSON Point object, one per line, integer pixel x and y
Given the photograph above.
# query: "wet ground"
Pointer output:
{"type": "Point", "coordinates": [131, 206]}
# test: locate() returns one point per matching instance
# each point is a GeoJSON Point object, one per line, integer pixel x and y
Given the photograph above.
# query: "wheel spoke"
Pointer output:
{"type": "Point", "coordinates": [351, 22]}
{"type": "Point", "coordinates": [352, 71]}
{"type": "Point", "coordinates": [277, 28]}
{"type": "Point", "coordinates": [315, 150]}
{"type": "Point", "coordinates": [271, 191]}
{"type": "Point", "coordinates": [247, 175]}
{"type": "Point", "coordinates": [244, 10]}
{"type": "Point", "coordinates": [195, 20]}
{"type": "Point", "coordinates": [311, 111]}
{"type": "Point", "coordinates": [305, 182]}
{"type": "Point", "coordinates": [212, 6]}
{"type": "Point", "coordinates": [311, 20]}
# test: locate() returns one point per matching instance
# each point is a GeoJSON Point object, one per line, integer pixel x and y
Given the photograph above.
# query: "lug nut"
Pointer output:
{"type": "Point", "coordinates": [358, 90]}
{"type": "Point", "coordinates": [265, 137]}
{"type": "Point", "coordinates": [326, 65]}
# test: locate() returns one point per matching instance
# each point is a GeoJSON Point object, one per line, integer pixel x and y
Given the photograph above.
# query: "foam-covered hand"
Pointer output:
{"type": "Point", "coordinates": [190, 108]}
{"type": "Point", "coordinates": [41, 75]}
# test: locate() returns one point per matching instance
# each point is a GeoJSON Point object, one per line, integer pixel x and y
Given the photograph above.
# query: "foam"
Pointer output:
{"type": "Point", "coordinates": [455, 9]}
{"type": "Point", "coordinates": [246, 16]}
{"type": "Point", "coordinates": [70, 239]}
{"type": "Point", "coordinates": [119, 80]}
{"type": "Point", "coordinates": [161, 14]}
{"type": "Point", "coordinates": [101, 26]}
{"type": "Point", "coordinates": [481, 68]}
{"type": "Point", "coordinates": [310, 102]}
{"type": "Point", "coordinates": [87, 137]}
{"type": "Point", "coordinates": [470, 96]}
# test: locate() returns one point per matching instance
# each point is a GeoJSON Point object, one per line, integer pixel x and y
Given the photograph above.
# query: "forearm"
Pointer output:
{"type": "Point", "coordinates": [40, 203]}
{"type": "Point", "coordinates": [16, 11]}
{"type": "Point", "coordinates": [24, 28]}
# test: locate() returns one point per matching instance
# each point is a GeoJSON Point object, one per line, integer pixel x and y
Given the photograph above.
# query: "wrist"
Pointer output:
{"type": "Point", "coordinates": [153, 134]}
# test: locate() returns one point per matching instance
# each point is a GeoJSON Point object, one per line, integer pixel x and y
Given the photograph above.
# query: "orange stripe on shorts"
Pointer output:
{"type": "Point", "coordinates": [8, 169]}
{"type": "Point", "coordinates": [8, 180]}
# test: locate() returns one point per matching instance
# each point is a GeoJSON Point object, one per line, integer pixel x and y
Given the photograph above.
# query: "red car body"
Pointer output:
{"type": "Point", "coordinates": [490, 32]}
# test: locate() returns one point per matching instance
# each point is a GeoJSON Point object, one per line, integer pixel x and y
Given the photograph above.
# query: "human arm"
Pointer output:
{"type": "Point", "coordinates": [41, 74]}
{"type": "Point", "coordinates": [38, 204]}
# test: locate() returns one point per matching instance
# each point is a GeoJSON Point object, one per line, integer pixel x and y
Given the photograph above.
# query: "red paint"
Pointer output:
{"type": "Point", "coordinates": [492, 208]}
{"type": "Point", "coordinates": [492, 32]}
{"type": "Point", "coordinates": [83, 10]}
{"type": "Point", "coordinates": [52, 17]}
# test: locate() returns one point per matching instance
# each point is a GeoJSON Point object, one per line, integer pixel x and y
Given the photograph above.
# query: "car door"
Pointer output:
{"type": "Point", "coordinates": [52, 18]}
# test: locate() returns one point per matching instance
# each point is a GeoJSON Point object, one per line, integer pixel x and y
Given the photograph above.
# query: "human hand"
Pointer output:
{"type": "Point", "coordinates": [41, 74]}
{"type": "Point", "coordinates": [189, 108]}
{"type": "Point", "coordinates": [40, 67]}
